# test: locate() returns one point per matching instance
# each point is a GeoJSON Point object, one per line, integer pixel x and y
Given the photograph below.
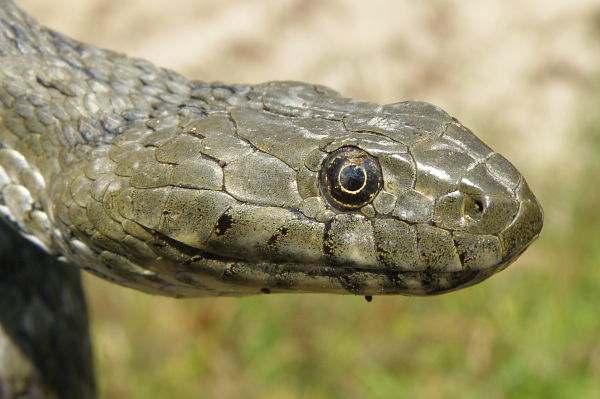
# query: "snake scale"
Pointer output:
{"type": "Point", "coordinates": [184, 188]}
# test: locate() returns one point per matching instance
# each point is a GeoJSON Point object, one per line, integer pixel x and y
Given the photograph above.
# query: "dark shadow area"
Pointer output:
{"type": "Point", "coordinates": [44, 317]}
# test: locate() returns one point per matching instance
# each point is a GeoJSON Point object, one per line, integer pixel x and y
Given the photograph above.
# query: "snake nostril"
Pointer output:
{"type": "Point", "coordinates": [473, 207]}
{"type": "Point", "coordinates": [478, 206]}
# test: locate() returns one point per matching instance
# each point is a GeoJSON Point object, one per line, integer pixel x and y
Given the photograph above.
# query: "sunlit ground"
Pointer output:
{"type": "Point", "coordinates": [521, 75]}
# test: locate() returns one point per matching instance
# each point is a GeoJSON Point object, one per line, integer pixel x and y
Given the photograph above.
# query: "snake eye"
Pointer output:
{"type": "Point", "coordinates": [350, 178]}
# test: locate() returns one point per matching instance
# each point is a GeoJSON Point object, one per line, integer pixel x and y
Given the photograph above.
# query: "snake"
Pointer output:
{"type": "Point", "coordinates": [185, 188]}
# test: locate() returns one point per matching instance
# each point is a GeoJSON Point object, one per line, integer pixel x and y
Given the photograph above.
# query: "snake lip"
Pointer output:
{"type": "Point", "coordinates": [280, 278]}
{"type": "Point", "coordinates": [297, 277]}
{"type": "Point", "coordinates": [354, 279]}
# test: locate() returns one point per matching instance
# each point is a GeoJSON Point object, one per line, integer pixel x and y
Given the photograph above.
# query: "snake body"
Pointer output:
{"type": "Point", "coordinates": [184, 188]}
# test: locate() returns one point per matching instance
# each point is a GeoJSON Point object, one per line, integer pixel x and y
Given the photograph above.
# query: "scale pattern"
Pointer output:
{"type": "Point", "coordinates": [185, 188]}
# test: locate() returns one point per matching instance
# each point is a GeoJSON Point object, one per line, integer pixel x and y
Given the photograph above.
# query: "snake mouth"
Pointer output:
{"type": "Point", "coordinates": [283, 278]}
{"type": "Point", "coordinates": [205, 270]}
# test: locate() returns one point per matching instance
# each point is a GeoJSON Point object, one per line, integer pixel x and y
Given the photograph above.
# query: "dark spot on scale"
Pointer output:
{"type": "Point", "coordinates": [265, 290]}
{"type": "Point", "coordinates": [230, 272]}
{"type": "Point", "coordinates": [368, 298]}
{"type": "Point", "coordinates": [352, 283]}
{"type": "Point", "coordinates": [283, 280]}
{"type": "Point", "coordinates": [427, 276]}
{"type": "Point", "coordinates": [273, 239]}
{"type": "Point", "coordinates": [223, 224]}
{"type": "Point", "coordinates": [395, 281]}
{"type": "Point", "coordinates": [328, 247]}
{"type": "Point", "coordinates": [462, 256]}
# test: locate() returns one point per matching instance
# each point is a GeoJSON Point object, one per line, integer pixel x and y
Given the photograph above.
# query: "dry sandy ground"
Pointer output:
{"type": "Point", "coordinates": [516, 72]}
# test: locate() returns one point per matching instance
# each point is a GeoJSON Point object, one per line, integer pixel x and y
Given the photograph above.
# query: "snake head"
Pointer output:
{"type": "Point", "coordinates": [288, 187]}
{"type": "Point", "coordinates": [400, 198]}
{"type": "Point", "coordinates": [189, 188]}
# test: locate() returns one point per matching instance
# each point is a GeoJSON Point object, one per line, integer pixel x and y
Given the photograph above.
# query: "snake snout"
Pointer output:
{"type": "Point", "coordinates": [526, 225]}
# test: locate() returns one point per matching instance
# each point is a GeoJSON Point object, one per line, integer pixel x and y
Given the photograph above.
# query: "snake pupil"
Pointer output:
{"type": "Point", "coordinates": [352, 178]}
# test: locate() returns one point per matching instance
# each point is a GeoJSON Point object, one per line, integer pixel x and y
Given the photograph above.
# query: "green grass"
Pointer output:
{"type": "Point", "coordinates": [533, 331]}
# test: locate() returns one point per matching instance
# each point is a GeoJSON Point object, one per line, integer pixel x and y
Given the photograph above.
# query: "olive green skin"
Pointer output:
{"type": "Point", "coordinates": [185, 188]}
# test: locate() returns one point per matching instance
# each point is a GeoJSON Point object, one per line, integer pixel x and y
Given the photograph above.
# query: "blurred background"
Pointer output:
{"type": "Point", "coordinates": [525, 76]}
